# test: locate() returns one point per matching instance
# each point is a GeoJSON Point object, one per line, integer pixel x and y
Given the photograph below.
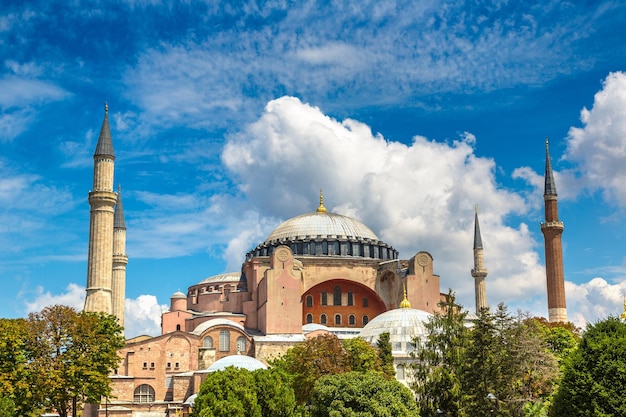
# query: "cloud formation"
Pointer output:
{"type": "Point", "coordinates": [599, 147]}
{"type": "Point", "coordinates": [416, 197]}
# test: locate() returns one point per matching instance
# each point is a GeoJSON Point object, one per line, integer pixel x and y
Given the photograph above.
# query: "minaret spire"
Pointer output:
{"type": "Point", "coordinates": [120, 260]}
{"type": "Point", "coordinates": [552, 230]}
{"type": "Point", "coordinates": [102, 199]}
{"type": "Point", "coordinates": [479, 272]}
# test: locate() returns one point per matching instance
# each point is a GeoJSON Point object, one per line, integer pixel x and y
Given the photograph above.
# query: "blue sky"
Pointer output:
{"type": "Point", "coordinates": [229, 118]}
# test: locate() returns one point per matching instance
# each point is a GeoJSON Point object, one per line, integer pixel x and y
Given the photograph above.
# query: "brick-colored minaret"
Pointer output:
{"type": "Point", "coordinates": [120, 259]}
{"type": "Point", "coordinates": [552, 230]}
{"type": "Point", "coordinates": [102, 199]}
{"type": "Point", "coordinates": [479, 272]}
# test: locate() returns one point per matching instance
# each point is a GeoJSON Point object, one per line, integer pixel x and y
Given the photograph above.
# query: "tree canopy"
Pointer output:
{"type": "Point", "coordinates": [58, 357]}
{"type": "Point", "coordinates": [235, 392]}
{"type": "Point", "coordinates": [458, 367]}
{"type": "Point", "coordinates": [357, 394]}
{"type": "Point", "coordinates": [594, 379]}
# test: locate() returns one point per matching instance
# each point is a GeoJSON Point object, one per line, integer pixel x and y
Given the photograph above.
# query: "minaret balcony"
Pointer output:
{"type": "Point", "coordinates": [551, 225]}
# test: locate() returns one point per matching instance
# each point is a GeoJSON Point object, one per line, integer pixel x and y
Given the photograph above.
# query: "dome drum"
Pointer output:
{"type": "Point", "coordinates": [328, 246]}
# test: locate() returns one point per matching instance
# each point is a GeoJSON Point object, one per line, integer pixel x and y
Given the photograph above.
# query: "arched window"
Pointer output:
{"type": "Point", "coordinates": [241, 344]}
{"type": "Point", "coordinates": [144, 394]}
{"type": "Point", "coordinates": [224, 341]}
{"type": "Point", "coordinates": [309, 301]}
{"type": "Point", "coordinates": [400, 372]}
{"type": "Point", "coordinates": [365, 320]}
{"type": "Point", "coordinates": [323, 319]}
{"type": "Point", "coordinates": [352, 320]}
{"type": "Point", "coordinates": [207, 342]}
{"type": "Point", "coordinates": [365, 302]}
{"type": "Point", "coordinates": [337, 296]}
{"type": "Point", "coordinates": [178, 327]}
{"type": "Point", "coordinates": [337, 319]}
{"type": "Point", "coordinates": [309, 318]}
{"type": "Point", "coordinates": [350, 298]}
{"type": "Point", "coordinates": [324, 300]}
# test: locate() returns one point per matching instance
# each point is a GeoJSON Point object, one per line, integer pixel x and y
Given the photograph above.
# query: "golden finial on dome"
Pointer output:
{"type": "Point", "coordinates": [623, 315]}
{"type": "Point", "coordinates": [405, 302]}
{"type": "Point", "coordinates": [321, 208]}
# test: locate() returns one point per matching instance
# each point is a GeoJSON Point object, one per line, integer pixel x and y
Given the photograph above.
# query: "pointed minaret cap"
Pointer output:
{"type": "Point", "coordinates": [478, 241]}
{"type": "Point", "coordinates": [105, 143]}
{"type": "Point", "coordinates": [321, 208]}
{"type": "Point", "coordinates": [623, 315]}
{"type": "Point", "coordinates": [550, 186]}
{"type": "Point", "coordinates": [118, 216]}
{"type": "Point", "coordinates": [405, 302]}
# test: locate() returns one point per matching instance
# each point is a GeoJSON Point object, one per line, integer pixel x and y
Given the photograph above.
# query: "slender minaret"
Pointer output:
{"type": "Point", "coordinates": [102, 199]}
{"type": "Point", "coordinates": [552, 230]}
{"type": "Point", "coordinates": [479, 272]}
{"type": "Point", "coordinates": [120, 259]}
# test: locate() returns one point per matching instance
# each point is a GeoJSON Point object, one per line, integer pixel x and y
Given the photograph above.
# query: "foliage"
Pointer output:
{"type": "Point", "coordinates": [76, 352]}
{"type": "Point", "coordinates": [440, 360]}
{"type": "Point", "coordinates": [57, 357]}
{"type": "Point", "coordinates": [359, 394]}
{"type": "Point", "coordinates": [508, 357]}
{"type": "Point", "coordinates": [17, 377]}
{"type": "Point", "coordinates": [309, 361]}
{"type": "Point", "coordinates": [235, 392]}
{"type": "Point", "coordinates": [385, 354]}
{"type": "Point", "coordinates": [594, 379]}
{"type": "Point", "coordinates": [503, 355]}
{"type": "Point", "coordinates": [362, 357]}
{"type": "Point", "coordinates": [274, 393]}
{"type": "Point", "coordinates": [7, 407]}
{"type": "Point", "coordinates": [562, 338]}
{"type": "Point", "coordinates": [228, 393]}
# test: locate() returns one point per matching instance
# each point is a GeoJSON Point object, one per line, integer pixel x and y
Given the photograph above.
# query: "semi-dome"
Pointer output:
{"type": "Point", "coordinates": [325, 234]}
{"type": "Point", "coordinates": [238, 361]}
{"type": "Point", "coordinates": [402, 324]}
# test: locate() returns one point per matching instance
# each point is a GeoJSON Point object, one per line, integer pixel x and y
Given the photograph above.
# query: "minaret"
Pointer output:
{"type": "Point", "coordinates": [479, 272]}
{"type": "Point", "coordinates": [102, 199]}
{"type": "Point", "coordinates": [120, 259]}
{"type": "Point", "coordinates": [552, 230]}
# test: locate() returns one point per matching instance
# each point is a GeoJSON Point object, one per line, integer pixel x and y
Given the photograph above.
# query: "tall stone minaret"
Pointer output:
{"type": "Point", "coordinates": [479, 272]}
{"type": "Point", "coordinates": [120, 260]}
{"type": "Point", "coordinates": [102, 199]}
{"type": "Point", "coordinates": [552, 230]}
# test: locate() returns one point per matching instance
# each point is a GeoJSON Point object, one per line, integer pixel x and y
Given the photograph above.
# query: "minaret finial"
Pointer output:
{"type": "Point", "coordinates": [106, 107]}
{"type": "Point", "coordinates": [623, 315]}
{"type": "Point", "coordinates": [321, 208]}
{"type": "Point", "coordinates": [405, 302]}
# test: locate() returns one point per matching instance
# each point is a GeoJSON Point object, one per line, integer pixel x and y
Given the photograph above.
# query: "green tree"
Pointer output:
{"type": "Point", "coordinates": [274, 393]}
{"type": "Point", "coordinates": [7, 407]}
{"type": "Point", "coordinates": [385, 354]}
{"type": "Point", "coordinates": [357, 394]}
{"type": "Point", "coordinates": [74, 353]}
{"type": "Point", "coordinates": [235, 392]}
{"type": "Point", "coordinates": [440, 360]}
{"type": "Point", "coordinates": [594, 379]}
{"type": "Point", "coordinates": [509, 357]}
{"type": "Point", "coordinates": [361, 356]}
{"type": "Point", "coordinates": [228, 393]}
{"type": "Point", "coordinates": [18, 381]}
{"type": "Point", "coordinates": [309, 361]}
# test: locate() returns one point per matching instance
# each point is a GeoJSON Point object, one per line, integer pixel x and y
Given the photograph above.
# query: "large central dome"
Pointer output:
{"type": "Point", "coordinates": [325, 234]}
{"type": "Point", "coordinates": [321, 224]}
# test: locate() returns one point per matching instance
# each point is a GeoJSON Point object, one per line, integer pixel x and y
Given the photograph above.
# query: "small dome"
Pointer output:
{"type": "Point", "coordinates": [402, 324]}
{"type": "Point", "coordinates": [238, 361]}
{"type": "Point", "coordinates": [179, 294]}
{"type": "Point", "coordinates": [227, 277]}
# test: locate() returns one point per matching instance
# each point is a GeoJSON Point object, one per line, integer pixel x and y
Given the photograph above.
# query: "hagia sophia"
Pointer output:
{"type": "Point", "coordinates": [317, 273]}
